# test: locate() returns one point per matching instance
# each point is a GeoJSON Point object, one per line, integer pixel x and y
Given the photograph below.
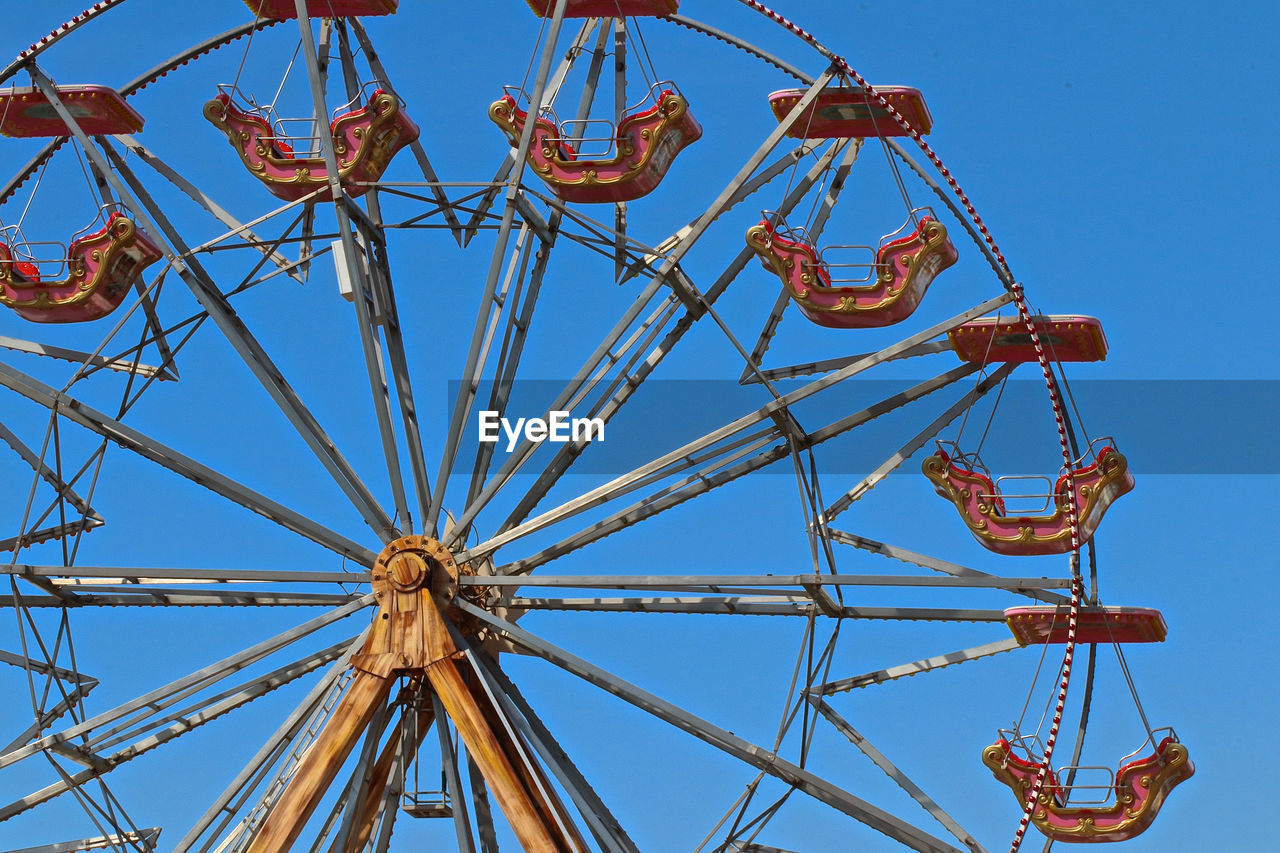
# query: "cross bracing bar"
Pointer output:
{"type": "Point", "coordinates": [238, 228]}
{"type": "Point", "coordinates": [49, 475]}
{"type": "Point", "coordinates": [119, 365]}
{"type": "Point", "coordinates": [915, 667]}
{"type": "Point", "coordinates": [44, 534]}
{"type": "Point", "coordinates": [811, 368]}
{"type": "Point", "coordinates": [925, 561]}
{"type": "Point", "coordinates": [40, 666]}
{"type": "Point", "coordinates": [88, 517]}
{"type": "Point", "coordinates": [756, 756]}
{"type": "Point", "coordinates": [81, 685]}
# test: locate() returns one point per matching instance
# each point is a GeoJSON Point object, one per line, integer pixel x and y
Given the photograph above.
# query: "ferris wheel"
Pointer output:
{"type": "Point", "coordinates": [483, 430]}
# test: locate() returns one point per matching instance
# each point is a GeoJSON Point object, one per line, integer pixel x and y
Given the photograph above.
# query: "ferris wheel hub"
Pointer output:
{"type": "Point", "coordinates": [411, 563]}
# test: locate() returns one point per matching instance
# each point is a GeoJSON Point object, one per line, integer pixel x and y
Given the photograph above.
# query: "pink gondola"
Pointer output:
{"type": "Point", "coordinates": [99, 267]}
{"type": "Point", "coordinates": [963, 480]}
{"type": "Point", "coordinates": [841, 112]}
{"type": "Point", "coordinates": [286, 10]}
{"type": "Point", "coordinates": [364, 138]}
{"type": "Point", "coordinates": [989, 340]}
{"type": "Point", "coordinates": [1130, 803]}
{"type": "Point", "coordinates": [644, 146]}
{"type": "Point", "coordinates": [607, 8]}
{"type": "Point", "coordinates": [1036, 624]}
{"type": "Point", "coordinates": [904, 267]}
{"type": "Point", "coordinates": [98, 110]}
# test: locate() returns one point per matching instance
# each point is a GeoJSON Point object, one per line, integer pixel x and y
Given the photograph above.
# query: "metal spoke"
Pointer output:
{"type": "Point", "coordinates": [741, 605]}
{"type": "Point", "coordinates": [129, 438]}
{"type": "Point", "coordinates": [180, 598]}
{"type": "Point", "coordinates": [721, 739]}
{"type": "Point", "coordinates": [760, 584]}
{"type": "Point", "coordinates": [208, 707]}
{"type": "Point", "coordinates": [606, 828]}
{"type": "Point", "coordinates": [351, 263]}
{"type": "Point", "coordinates": [88, 575]}
{"type": "Point", "coordinates": [474, 364]}
{"type": "Point", "coordinates": [518, 321]}
{"type": "Point", "coordinates": [384, 296]}
{"type": "Point", "coordinates": [826, 365]}
{"type": "Point", "coordinates": [484, 813]}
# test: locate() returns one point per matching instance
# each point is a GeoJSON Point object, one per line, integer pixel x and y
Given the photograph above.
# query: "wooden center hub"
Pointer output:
{"type": "Point", "coordinates": [411, 563]}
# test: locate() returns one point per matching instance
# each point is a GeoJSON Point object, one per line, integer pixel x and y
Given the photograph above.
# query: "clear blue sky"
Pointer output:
{"type": "Point", "coordinates": [1120, 154]}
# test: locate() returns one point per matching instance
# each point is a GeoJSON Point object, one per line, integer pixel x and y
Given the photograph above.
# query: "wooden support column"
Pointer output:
{"type": "Point", "coordinates": [410, 637]}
